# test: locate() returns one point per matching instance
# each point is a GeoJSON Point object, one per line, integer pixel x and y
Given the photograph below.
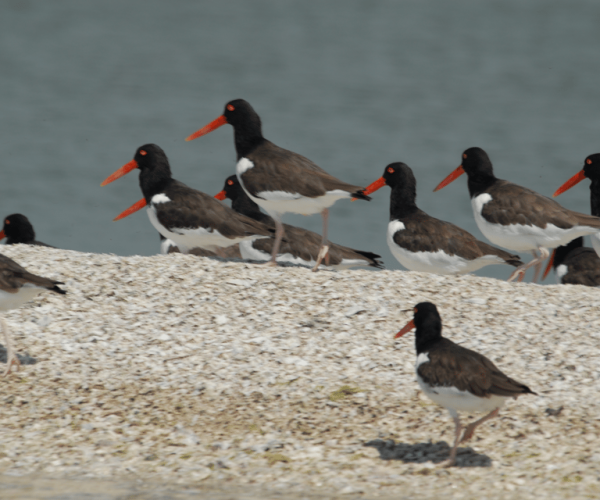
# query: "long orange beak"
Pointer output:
{"type": "Point", "coordinates": [2, 235]}
{"type": "Point", "coordinates": [452, 177]}
{"type": "Point", "coordinates": [214, 125]}
{"type": "Point", "coordinates": [125, 169]}
{"type": "Point", "coordinates": [576, 179]}
{"type": "Point", "coordinates": [221, 195]}
{"type": "Point", "coordinates": [549, 266]}
{"type": "Point", "coordinates": [407, 328]}
{"type": "Point", "coordinates": [138, 205]}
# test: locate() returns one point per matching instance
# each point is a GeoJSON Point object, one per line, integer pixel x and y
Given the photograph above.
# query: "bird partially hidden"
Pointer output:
{"type": "Point", "coordinates": [575, 264]}
{"type": "Point", "coordinates": [17, 286]}
{"type": "Point", "coordinates": [455, 377]}
{"type": "Point", "coordinates": [18, 229]}
{"type": "Point", "coordinates": [168, 246]}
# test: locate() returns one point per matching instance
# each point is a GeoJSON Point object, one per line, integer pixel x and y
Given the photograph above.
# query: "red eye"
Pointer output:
{"type": "Point", "coordinates": [6, 221]}
{"type": "Point", "coordinates": [390, 170]}
{"type": "Point", "coordinates": [142, 152]}
{"type": "Point", "coordinates": [230, 107]}
{"type": "Point", "coordinates": [230, 182]}
{"type": "Point", "coordinates": [588, 161]}
{"type": "Point", "coordinates": [416, 310]}
{"type": "Point", "coordinates": [464, 156]}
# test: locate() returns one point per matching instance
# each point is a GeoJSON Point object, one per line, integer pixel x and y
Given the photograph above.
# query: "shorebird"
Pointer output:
{"type": "Point", "coordinates": [168, 246]}
{"type": "Point", "coordinates": [18, 229]}
{"type": "Point", "coordinates": [455, 377]}
{"type": "Point", "coordinates": [276, 179]}
{"type": "Point", "coordinates": [187, 217]}
{"type": "Point", "coordinates": [591, 170]}
{"type": "Point", "coordinates": [423, 243]}
{"type": "Point", "coordinates": [17, 286]}
{"type": "Point", "coordinates": [575, 264]}
{"type": "Point", "coordinates": [300, 246]}
{"type": "Point", "coordinates": [515, 217]}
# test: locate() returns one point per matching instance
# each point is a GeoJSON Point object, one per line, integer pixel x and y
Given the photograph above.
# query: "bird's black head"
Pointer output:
{"type": "Point", "coordinates": [428, 325]}
{"type": "Point", "coordinates": [591, 168]}
{"type": "Point", "coordinates": [475, 161]}
{"type": "Point", "coordinates": [18, 229]}
{"type": "Point", "coordinates": [399, 174]}
{"type": "Point", "coordinates": [232, 188]}
{"type": "Point", "coordinates": [151, 157]}
{"type": "Point", "coordinates": [560, 254]}
{"type": "Point", "coordinates": [242, 116]}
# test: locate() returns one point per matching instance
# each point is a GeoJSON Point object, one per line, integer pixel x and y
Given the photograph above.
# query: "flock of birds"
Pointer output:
{"type": "Point", "coordinates": [281, 181]}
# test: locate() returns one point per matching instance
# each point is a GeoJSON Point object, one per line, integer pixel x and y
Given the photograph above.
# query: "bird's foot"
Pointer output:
{"type": "Point", "coordinates": [11, 360]}
{"type": "Point", "coordinates": [324, 251]}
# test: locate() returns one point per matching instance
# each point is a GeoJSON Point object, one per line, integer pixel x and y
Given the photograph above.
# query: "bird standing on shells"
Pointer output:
{"type": "Point", "coordinates": [189, 218]}
{"type": "Point", "coordinates": [276, 179]}
{"type": "Point", "coordinates": [455, 377]}
{"type": "Point", "coordinates": [423, 243]}
{"type": "Point", "coordinates": [18, 229]}
{"type": "Point", "coordinates": [300, 246]}
{"type": "Point", "coordinates": [515, 217]}
{"type": "Point", "coordinates": [17, 286]}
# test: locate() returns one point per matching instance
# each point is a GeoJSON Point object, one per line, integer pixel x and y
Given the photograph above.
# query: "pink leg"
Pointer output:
{"type": "Point", "coordinates": [11, 357]}
{"type": "Point", "coordinates": [536, 261]}
{"type": "Point", "coordinates": [458, 427]}
{"type": "Point", "coordinates": [278, 237]}
{"type": "Point", "coordinates": [324, 251]}
{"type": "Point", "coordinates": [470, 429]}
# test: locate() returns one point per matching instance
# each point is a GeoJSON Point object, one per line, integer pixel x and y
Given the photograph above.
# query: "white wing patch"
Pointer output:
{"type": "Point", "coordinates": [160, 198]}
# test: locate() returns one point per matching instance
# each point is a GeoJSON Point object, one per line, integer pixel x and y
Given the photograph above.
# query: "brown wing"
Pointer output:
{"type": "Point", "coordinates": [189, 208]}
{"type": "Point", "coordinates": [277, 169]}
{"type": "Point", "coordinates": [514, 204]}
{"type": "Point", "coordinates": [424, 233]}
{"type": "Point", "coordinates": [583, 267]}
{"type": "Point", "coordinates": [453, 365]}
{"type": "Point", "coordinates": [13, 277]}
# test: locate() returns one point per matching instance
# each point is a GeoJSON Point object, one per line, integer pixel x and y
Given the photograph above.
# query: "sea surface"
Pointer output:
{"type": "Point", "coordinates": [351, 84]}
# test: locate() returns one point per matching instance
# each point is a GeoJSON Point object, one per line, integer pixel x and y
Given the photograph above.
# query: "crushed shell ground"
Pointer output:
{"type": "Point", "coordinates": [185, 370]}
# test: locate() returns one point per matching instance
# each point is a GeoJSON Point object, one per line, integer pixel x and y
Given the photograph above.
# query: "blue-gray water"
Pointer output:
{"type": "Point", "coordinates": [352, 85]}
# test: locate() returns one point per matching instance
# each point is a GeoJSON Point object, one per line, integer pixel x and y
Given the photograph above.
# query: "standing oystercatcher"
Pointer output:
{"type": "Point", "coordinates": [591, 170]}
{"type": "Point", "coordinates": [575, 264]}
{"type": "Point", "coordinates": [515, 217]}
{"type": "Point", "coordinates": [300, 245]}
{"type": "Point", "coordinates": [188, 217]}
{"type": "Point", "coordinates": [426, 244]}
{"type": "Point", "coordinates": [18, 229]}
{"type": "Point", "coordinates": [18, 286]}
{"type": "Point", "coordinates": [276, 179]}
{"type": "Point", "coordinates": [455, 377]}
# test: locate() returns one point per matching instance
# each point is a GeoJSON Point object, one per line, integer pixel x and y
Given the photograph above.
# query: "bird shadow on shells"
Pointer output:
{"type": "Point", "coordinates": [420, 453]}
{"type": "Point", "coordinates": [25, 359]}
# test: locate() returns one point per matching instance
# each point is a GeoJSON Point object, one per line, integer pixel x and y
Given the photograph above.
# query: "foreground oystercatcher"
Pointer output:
{"type": "Point", "coordinates": [515, 217]}
{"type": "Point", "coordinates": [18, 229]}
{"type": "Point", "coordinates": [300, 246]}
{"type": "Point", "coordinates": [188, 217]}
{"type": "Point", "coordinates": [591, 170]}
{"type": "Point", "coordinates": [423, 243]}
{"type": "Point", "coordinates": [276, 179]}
{"type": "Point", "coordinates": [575, 264]}
{"type": "Point", "coordinates": [168, 246]}
{"type": "Point", "coordinates": [18, 286]}
{"type": "Point", "coordinates": [455, 377]}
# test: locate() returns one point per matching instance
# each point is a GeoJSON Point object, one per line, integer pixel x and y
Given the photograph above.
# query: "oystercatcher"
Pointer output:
{"type": "Point", "coordinates": [168, 246]}
{"type": "Point", "coordinates": [17, 286]}
{"type": "Point", "coordinates": [188, 217]}
{"type": "Point", "coordinates": [575, 264]}
{"type": "Point", "coordinates": [18, 229]}
{"type": "Point", "coordinates": [426, 244]}
{"type": "Point", "coordinates": [300, 246]}
{"type": "Point", "coordinates": [276, 179]}
{"type": "Point", "coordinates": [515, 217]}
{"type": "Point", "coordinates": [455, 377]}
{"type": "Point", "coordinates": [591, 170]}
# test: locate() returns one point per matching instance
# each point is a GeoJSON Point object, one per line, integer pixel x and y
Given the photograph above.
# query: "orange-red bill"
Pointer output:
{"type": "Point", "coordinates": [371, 188]}
{"type": "Point", "coordinates": [138, 205]}
{"type": "Point", "coordinates": [576, 179]}
{"type": "Point", "coordinates": [2, 235]}
{"type": "Point", "coordinates": [221, 195]}
{"type": "Point", "coordinates": [407, 328]}
{"type": "Point", "coordinates": [452, 177]}
{"type": "Point", "coordinates": [125, 169]}
{"type": "Point", "coordinates": [215, 124]}
{"type": "Point", "coordinates": [549, 266]}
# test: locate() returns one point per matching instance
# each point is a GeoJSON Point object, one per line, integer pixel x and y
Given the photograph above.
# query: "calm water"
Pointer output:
{"type": "Point", "coordinates": [353, 85]}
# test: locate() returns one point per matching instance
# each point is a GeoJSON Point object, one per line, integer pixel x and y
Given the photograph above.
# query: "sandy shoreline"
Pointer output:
{"type": "Point", "coordinates": [194, 371]}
